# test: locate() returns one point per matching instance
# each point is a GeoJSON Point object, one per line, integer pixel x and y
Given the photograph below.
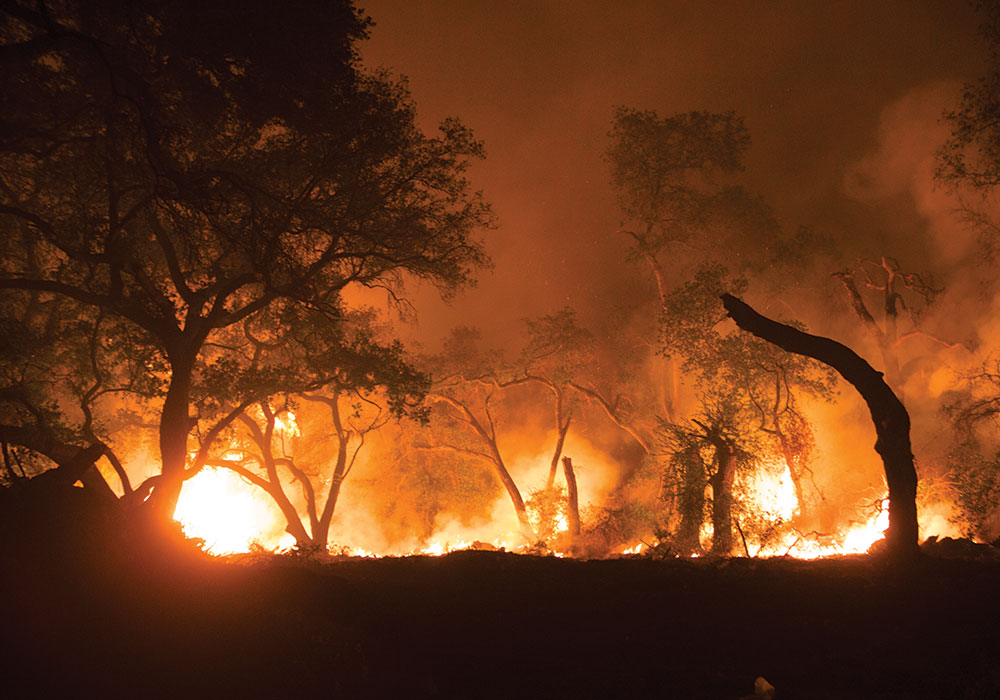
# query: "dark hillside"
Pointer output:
{"type": "Point", "coordinates": [83, 620]}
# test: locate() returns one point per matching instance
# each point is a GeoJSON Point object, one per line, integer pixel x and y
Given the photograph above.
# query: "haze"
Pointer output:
{"type": "Point", "coordinates": [842, 100]}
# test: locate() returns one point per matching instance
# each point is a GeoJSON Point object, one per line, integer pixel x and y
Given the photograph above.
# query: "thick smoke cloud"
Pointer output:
{"type": "Point", "coordinates": [538, 82]}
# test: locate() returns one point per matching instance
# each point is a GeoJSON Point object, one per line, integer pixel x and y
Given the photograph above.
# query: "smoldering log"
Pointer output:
{"type": "Point", "coordinates": [892, 422]}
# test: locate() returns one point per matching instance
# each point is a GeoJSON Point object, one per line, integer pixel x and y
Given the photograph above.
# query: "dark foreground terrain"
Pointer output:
{"type": "Point", "coordinates": [81, 619]}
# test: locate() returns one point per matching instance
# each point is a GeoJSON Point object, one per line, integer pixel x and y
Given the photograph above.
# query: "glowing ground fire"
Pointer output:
{"type": "Point", "coordinates": [229, 514]}
{"type": "Point", "coordinates": [232, 516]}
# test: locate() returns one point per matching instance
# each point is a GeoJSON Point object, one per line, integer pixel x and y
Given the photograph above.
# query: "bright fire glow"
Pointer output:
{"type": "Point", "coordinates": [771, 491]}
{"type": "Point", "coordinates": [217, 506]}
{"type": "Point", "coordinates": [286, 425]}
{"type": "Point", "coordinates": [230, 515]}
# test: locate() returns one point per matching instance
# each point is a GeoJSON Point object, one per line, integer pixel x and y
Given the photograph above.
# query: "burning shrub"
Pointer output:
{"type": "Point", "coordinates": [977, 482]}
{"type": "Point", "coordinates": [547, 510]}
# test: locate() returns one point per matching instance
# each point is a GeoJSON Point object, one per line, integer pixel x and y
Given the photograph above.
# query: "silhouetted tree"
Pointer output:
{"type": "Point", "coordinates": [182, 168]}
{"type": "Point", "coordinates": [706, 452]}
{"type": "Point", "coordinates": [554, 356]}
{"type": "Point", "coordinates": [761, 384]}
{"type": "Point", "coordinates": [888, 282]}
{"type": "Point", "coordinates": [464, 391]}
{"type": "Point", "coordinates": [346, 374]}
{"type": "Point", "coordinates": [892, 422]}
{"type": "Point", "coordinates": [62, 367]}
{"type": "Point", "coordinates": [670, 177]}
{"type": "Point", "coordinates": [973, 412]}
{"type": "Point", "coordinates": [971, 155]}
{"type": "Point", "coordinates": [471, 385]}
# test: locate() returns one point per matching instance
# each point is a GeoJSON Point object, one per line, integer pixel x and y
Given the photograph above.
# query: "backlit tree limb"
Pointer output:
{"type": "Point", "coordinates": [892, 422]}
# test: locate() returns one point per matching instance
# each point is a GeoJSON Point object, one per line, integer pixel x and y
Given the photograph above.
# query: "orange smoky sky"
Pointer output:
{"type": "Point", "coordinates": [818, 83]}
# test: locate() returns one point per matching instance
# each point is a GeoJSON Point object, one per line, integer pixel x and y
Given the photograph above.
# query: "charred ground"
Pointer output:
{"type": "Point", "coordinates": [85, 618]}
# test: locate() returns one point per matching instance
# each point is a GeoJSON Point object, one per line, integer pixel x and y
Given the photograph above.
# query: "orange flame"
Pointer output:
{"type": "Point", "coordinates": [229, 514]}
{"type": "Point", "coordinates": [232, 516]}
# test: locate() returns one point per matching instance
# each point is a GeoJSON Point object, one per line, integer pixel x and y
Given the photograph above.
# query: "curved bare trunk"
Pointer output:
{"type": "Point", "coordinates": [892, 422]}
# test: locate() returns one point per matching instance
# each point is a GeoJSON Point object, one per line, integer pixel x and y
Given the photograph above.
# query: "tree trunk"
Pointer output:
{"type": "Point", "coordinates": [557, 453]}
{"type": "Point", "coordinates": [722, 497]}
{"type": "Point", "coordinates": [175, 425]}
{"type": "Point", "coordinates": [515, 494]}
{"type": "Point", "coordinates": [321, 533]}
{"type": "Point", "coordinates": [73, 468]}
{"type": "Point", "coordinates": [892, 422]}
{"type": "Point", "coordinates": [667, 382]}
{"type": "Point", "coordinates": [573, 516]}
{"type": "Point", "coordinates": [293, 524]}
{"type": "Point", "coordinates": [691, 505]}
{"type": "Point", "coordinates": [265, 441]}
{"type": "Point", "coordinates": [73, 463]}
{"type": "Point", "coordinates": [94, 481]}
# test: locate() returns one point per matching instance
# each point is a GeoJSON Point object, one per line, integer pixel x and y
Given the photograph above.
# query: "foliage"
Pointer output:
{"type": "Point", "coordinates": [545, 507]}
{"type": "Point", "coordinates": [971, 155]}
{"type": "Point", "coordinates": [618, 523]}
{"type": "Point", "coordinates": [418, 485]}
{"type": "Point", "coordinates": [670, 175]}
{"type": "Point", "coordinates": [975, 474]}
{"type": "Point", "coordinates": [763, 379]}
{"type": "Point", "coordinates": [556, 347]}
{"type": "Point", "coordinates": [659, 164]}
{"type": "Point", "coordinates": [182, 170]}
{"type": "Point", "coordinates": [65, 371]}
{"type": "Point", "coordinates": [974, 455]}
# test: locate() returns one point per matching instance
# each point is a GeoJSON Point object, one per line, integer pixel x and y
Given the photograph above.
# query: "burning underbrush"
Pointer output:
{"type": "Point", "coordinates": [232, 516]}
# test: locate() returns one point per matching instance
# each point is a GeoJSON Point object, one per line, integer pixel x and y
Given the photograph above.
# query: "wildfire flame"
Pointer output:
{"type": "Point", "coordinates": [230, 515]}
{"type": "Point", "coordinates": [770, 493]}
{"type": "Point", "coordinates": [286, 425]}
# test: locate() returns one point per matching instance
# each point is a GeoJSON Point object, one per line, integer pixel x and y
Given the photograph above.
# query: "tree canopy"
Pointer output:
{"type": "Point", "coordinates": [181, 169]}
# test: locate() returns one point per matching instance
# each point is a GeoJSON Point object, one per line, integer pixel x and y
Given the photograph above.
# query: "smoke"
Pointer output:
{"type": "Point", "coordinates": [910, 131]}
{"type": "Point", "coordinates": [844, 104]}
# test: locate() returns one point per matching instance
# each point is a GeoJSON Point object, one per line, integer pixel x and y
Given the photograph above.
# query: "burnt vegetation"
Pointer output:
{"type": "Point", "coordinates": [216, 224]}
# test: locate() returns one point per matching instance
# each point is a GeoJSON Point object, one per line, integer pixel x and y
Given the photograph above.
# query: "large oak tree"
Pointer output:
{"type": "Point", "coordinates": [183, 167]}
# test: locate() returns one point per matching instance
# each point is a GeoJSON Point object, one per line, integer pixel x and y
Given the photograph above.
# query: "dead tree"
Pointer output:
{"type": "Point", "coordinates": [892, 422]}
{"type": "Point", "coordinates": [889, 281]}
